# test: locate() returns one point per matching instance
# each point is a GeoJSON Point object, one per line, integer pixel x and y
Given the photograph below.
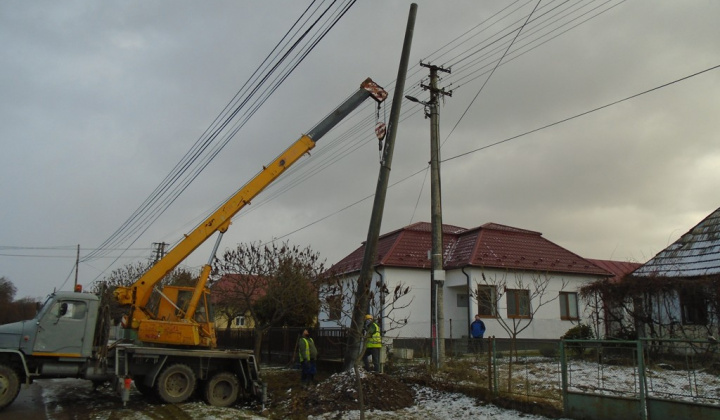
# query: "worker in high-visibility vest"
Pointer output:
{"type": "Point", "coordinates": [373, 340]}
{"type": "Point", "coordinates": [307, 353]}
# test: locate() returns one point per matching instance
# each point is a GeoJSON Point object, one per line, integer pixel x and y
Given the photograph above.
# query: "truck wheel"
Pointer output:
{"type": "Point", "coordinates": [222, 389]}
{"type": "Point", "coordinates": [9, 386]}
{"type": "Point", "coordinates": [176, 383]}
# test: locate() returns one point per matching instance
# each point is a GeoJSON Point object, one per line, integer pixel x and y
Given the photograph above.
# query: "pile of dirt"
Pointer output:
{"type": "Point", "coordinates": [339, 393]}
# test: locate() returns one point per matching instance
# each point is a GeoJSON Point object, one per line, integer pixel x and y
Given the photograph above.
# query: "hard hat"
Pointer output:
{"type": "Point", "coordinates": [368, 316]}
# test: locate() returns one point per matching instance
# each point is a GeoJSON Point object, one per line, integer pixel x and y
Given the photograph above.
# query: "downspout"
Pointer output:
{"type": "Point", "coordinates": [470, 314]}
{"type": "Point", "coordinates": [382, 300]}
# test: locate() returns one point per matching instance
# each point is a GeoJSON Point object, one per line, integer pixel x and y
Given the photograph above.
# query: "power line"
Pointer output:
{"type": "Point", "coordinates": [496, 144]}
{"type": "Point", "coordinates": [337, 149]}
{"type": "Point", "coordinates": [201, 154]}
{"type": "Point", "coordinates": [581, 114]}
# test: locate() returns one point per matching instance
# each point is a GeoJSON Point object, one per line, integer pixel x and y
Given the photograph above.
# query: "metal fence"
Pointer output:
{"type": "Point", "coordinates": [528, 368]}
{"type": "Point", "coordinates": [278, 345]}
{"type": "Point", "coordinates": [684, 370]}
{"type": "Point", "coordinates": [653, 379]}
{"type": "Point", "coordinates": [591, 379]}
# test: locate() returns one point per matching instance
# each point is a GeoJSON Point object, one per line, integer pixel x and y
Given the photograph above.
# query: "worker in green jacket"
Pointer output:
{"type": "Point", "coordinates": [373, 341]}
{"type": "Point", "coordinates": [308, 356]}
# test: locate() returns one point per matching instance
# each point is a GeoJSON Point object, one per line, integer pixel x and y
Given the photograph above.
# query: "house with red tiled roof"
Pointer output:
{"type": "Point", "coordinates": [510, 276]}
{"type": "Point", "coordinates": [231, 296]}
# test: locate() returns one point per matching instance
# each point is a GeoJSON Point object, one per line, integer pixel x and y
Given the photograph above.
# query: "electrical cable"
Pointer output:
{"type": "Point", "coordinates": [491, 73]}
{"type": "Point", "coordinates": [145, 216]}
{"type": "Point", "coordinates": [579, 115]}
{"type": "Point", "coordinates": [496, 144]}
{"type": "Point", "coordinates": [337, 150]}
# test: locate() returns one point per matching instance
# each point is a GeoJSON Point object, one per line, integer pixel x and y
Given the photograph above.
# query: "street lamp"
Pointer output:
{"type": "Point", "coordinates": [428, 105]}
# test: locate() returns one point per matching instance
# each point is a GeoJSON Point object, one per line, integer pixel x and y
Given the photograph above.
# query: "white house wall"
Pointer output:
{"type": "Point", "coordinates": [546, 323]}
{"type": "Point", "coordinates": [417, 314]}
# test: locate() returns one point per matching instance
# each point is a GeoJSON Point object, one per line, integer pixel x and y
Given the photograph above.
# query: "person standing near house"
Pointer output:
{"type": "Point", "coordinates": [373, 344]}
{"type": "Point", "coordinates": [477, 331]}
{"type": "Point", "coordinates": [307, 353]}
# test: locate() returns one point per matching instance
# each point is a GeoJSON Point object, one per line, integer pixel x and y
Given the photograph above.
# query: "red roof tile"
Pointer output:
{"type": "Point", "coordinates": [490, 245]}
{"type": "Point", "coordinates": [233, 284]}
{"type": "Point", "coordinates": [619, 268]}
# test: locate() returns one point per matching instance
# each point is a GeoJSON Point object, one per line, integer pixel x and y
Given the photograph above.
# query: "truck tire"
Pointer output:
{"type": "Point", "coordinates": [176, 383]}
{"type": "Point", "coordinates": [9, 386]}
{"type": "Point", "coordinates": [222, 389]}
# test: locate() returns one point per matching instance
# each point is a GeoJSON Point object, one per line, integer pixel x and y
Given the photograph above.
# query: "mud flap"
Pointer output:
{"type": "Point", "coordinates": [122, 386]}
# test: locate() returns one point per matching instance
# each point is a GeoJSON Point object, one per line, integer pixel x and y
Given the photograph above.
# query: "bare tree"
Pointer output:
{"type": "Point", "coordinates": [272, 283]}
{"type": "Point", "coordinates": [663, 307]}
{"type": "Point", "coordinates": [7, 290]}
{"type": "Point", "coordinates": [525, 294]}
{"type": "Point", "coordinates": [338, 298]}
{"type": "Point", "coordinates": [129, 274]}
{"type": "Point", "coordinates": [12, 310]}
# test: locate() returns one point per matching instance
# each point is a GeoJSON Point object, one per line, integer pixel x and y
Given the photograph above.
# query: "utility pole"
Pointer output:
{"type": "Point", "coordinates": [77, 266]}
{"type": "Point", "coordinates": [159, 250]}
{"type": "Point", "coordinates": [362, 292]}
{"type": "Point", "coordinates": [437, 273]}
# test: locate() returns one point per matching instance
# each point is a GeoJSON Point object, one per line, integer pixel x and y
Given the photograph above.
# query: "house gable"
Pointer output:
{"type": "Point", "coordinates": [695, 254]}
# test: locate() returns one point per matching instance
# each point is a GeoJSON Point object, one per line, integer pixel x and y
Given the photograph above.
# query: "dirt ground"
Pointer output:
{"type": "Point", "coordinates": [331, 393]}
{"type": "Point", "coordinates": [337, 392]}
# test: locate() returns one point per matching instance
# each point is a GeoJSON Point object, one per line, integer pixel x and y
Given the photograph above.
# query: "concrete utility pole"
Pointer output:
{"type": "Point", "coordinates": [437, 273]}
{"type": "Point", "coordinates": [77, 266]}
{"type": "Point", "coordinates": [362, 293]}
{"type": "Point", "coordinates": [159, 250]}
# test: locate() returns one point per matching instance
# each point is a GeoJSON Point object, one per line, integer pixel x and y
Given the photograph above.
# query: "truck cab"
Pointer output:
{"type": "Point", "coordinates": [64, 327]}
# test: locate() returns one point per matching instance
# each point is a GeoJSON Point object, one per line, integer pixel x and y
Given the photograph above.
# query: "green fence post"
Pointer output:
{"type": "Point", "coordinates": [495, 367]}
{"type": "Point", "coordinates": [641, 379]}
{"type": "Point", "coordinates": [564, 377]}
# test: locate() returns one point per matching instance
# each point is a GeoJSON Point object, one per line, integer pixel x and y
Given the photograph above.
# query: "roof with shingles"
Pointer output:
{"type": "Point", "coordinates": [619, 268]}
{"type": "Point", "coordinates": [237, 285]}
{"type": "Point", "coordinates": [491, 245]}
{"type": "Point", "coordinates": [695, 254]}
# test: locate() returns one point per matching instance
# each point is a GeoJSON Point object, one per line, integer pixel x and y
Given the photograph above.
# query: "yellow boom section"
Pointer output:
{"type": "Point", "coordinates": [178, 315]}
{"type": "Point", "coordinates": [139, 293]}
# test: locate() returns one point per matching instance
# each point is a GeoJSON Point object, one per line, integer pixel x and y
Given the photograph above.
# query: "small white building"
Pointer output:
{"type": "Point", "coordinates": [676, 294]}
{"type": "Point", "coordinates": [520, 283]}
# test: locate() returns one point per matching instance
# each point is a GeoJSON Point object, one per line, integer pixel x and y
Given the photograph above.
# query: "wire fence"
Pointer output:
{"type": "Point", "coordinates": [684, 370]}
{"type": "Point", "coordinates": [607, 368]}
{"type": "Point", "coordinates": [678, 370]}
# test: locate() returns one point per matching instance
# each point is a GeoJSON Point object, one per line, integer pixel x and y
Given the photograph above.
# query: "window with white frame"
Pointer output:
{"type": "Point", "coordinates": [239, 321]}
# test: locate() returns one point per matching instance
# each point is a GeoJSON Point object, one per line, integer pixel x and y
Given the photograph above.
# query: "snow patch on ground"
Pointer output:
{"type": "Point", "coordinates": [431, 404]}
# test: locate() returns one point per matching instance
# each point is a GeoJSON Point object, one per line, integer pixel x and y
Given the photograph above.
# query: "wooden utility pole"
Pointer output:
{"type": "Point", "coordinates": [437, 273]}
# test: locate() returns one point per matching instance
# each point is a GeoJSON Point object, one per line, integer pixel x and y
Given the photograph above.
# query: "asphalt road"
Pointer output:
{"type": "Point", "coordinates": [28, 405]}
{"type": "Point", "coordinates": [76, 399]}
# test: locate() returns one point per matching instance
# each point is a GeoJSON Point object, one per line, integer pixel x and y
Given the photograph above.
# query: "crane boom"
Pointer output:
{"type": "Point", "coordinates": [170, 316]}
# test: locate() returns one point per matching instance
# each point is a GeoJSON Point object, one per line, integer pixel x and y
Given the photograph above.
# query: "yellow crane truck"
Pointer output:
{"type": "Point", "coordinates": [173, 350]}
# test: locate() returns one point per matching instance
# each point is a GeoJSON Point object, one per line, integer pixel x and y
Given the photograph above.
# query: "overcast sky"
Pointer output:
{"type": "Point", "coordinates": [99, 100]}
